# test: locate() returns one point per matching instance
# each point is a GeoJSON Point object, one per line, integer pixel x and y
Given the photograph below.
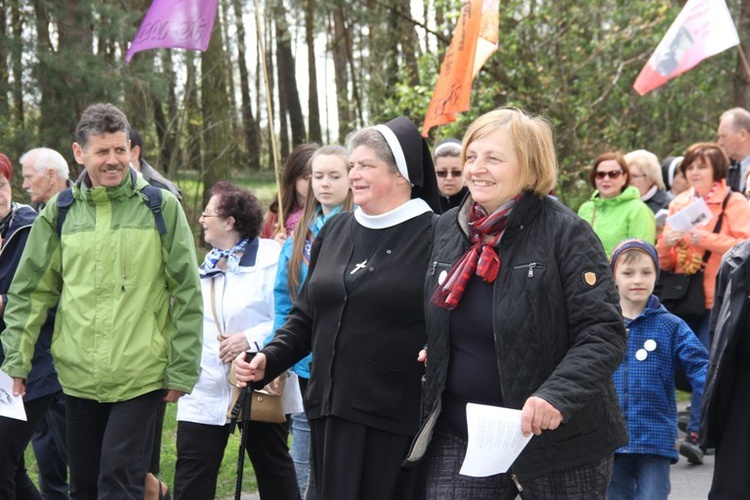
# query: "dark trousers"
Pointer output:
{"type": "Point", "coordinates": [50, 445]}
{"type": "Point", "coordinates": [110, 446]}
{"type": "Point", "coordinates": [352, 460]}
{"type": "Point", "coordinates": [200, 449]}
{"type": "Point", "coordinates": [155, 464]}
{"type": "Point", "coordinates": [14, 437]}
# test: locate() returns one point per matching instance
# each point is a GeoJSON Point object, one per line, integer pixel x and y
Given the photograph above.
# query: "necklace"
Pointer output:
{"type": "Point", "coordinates": [361, 265]}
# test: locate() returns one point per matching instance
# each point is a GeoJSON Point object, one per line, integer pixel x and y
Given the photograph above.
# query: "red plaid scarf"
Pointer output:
{"type": "Point", "coordinates": [481, 259]}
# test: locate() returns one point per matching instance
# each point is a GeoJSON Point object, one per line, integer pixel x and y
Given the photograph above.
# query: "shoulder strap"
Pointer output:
{"type": "Point", "coordinates": [64, 200]}
{"type": "Point", "coordinates": [153, 200]}
{"type": "Point", "coordinates": [717, 227]}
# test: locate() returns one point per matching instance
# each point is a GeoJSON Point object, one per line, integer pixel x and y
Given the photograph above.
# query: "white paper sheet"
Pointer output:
{"type": "Point", "coordinates": [661, 217]}
{"type": "Point", "coordinates": [10, 406]}
{"type": "Point", "coordinates": [495, 440]}
{"type": "Point", "coordinates": [696, 214]}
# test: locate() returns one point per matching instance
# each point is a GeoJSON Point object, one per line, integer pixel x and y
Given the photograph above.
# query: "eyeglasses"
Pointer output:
{"type": "Point", "coordinates": [612, 174]}
{"type": "Point", "coordinates": [446, 173]}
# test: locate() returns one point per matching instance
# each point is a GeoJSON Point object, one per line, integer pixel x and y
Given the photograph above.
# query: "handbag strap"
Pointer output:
{"type": "Point", "coordinates": [213, 307]}
{"type": "Point", "coordinates": [717, 227]}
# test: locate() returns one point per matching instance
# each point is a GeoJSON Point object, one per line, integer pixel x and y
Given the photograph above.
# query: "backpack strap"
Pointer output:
{"type": "Point", "coordinates": [153, 200]}
{"type": "Point", "coordinates": [64, 200]}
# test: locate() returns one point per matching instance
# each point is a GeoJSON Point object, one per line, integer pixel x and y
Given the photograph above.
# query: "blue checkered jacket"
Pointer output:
{"type": "Point", "coordinates": [658, 343]}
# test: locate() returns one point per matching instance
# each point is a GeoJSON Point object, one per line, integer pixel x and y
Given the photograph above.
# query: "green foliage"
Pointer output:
{"type": "Point", "coordinates": [575, 62]}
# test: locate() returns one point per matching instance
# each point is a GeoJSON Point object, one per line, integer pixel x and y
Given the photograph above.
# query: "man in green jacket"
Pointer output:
{"type": "Point", "coordinates": [129, 318]}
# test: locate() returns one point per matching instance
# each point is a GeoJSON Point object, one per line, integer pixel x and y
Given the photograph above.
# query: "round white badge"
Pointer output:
{"type": "Point", "coordinates": [649, 345]}
{"type": "Point", "coordinates": [441, 278]}
{"type": "Point", "coordinates": [641, 354]}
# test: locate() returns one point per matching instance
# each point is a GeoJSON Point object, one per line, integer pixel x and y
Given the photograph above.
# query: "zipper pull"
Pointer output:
{"type": "Point", "coordinates": [515, 481]}
{"type": "Point", "coordinates": [531, 269]}
{"type": "Point", "coordinates": [434, 266]}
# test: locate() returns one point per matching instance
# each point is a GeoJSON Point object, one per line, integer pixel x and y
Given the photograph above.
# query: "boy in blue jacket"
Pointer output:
{"type": "Point", "coordinates": [658, 343]}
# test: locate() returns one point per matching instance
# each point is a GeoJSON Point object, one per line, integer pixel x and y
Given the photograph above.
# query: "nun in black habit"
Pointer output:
{"type": "Point", "coordinates": [361, 314]}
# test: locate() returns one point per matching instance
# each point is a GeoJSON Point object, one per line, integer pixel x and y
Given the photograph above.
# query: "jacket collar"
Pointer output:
{"type": "Point", "coordinates": [526, 210]}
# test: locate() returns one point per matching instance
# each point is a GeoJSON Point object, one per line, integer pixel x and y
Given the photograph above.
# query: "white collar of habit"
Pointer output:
{"type": "Point", "coordinates": [409, 210]}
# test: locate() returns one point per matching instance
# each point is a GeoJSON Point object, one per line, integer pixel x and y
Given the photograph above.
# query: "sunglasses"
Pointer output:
{"type": "Point", "coordinates": [445, 173]}
{"type": "Point", "coordinates": [613, 174]}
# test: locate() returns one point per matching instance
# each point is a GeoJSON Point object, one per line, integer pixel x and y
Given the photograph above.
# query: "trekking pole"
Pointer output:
{"type": "Point", "coordinates": [245, 403]}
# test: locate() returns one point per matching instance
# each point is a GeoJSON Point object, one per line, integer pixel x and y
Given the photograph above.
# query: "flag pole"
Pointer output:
{"type": "Point", "coordinates": [271, 126]}
{"type": "Point", "coordinates": [745, 64]}
{"type": "Point", "coordinates": [437, 136]}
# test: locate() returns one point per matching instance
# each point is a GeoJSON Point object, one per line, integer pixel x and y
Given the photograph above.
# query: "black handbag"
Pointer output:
{"type": "Point", "coordinates": [683, 294]}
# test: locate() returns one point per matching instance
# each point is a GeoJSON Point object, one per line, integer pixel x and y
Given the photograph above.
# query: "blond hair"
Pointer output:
{"type": "Point", "coordinates": [649, 165]}
{"type": "Point", "coordinates": [532, 140]}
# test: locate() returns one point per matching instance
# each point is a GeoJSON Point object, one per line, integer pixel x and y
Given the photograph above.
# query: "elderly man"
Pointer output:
{"type": "Point", "coordinates": [45, 173]}
{"type": "Point", "coordinates": [734, 137]}
{"type": "Point", "coordinates": [129, 320]}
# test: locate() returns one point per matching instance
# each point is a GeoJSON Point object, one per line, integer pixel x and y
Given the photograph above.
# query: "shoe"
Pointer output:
{"type": "Point", "coordinates": [689, 449]}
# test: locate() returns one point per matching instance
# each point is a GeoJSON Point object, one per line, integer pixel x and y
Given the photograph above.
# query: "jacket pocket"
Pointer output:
{"type": "Point", "coordinates": [380, 390]}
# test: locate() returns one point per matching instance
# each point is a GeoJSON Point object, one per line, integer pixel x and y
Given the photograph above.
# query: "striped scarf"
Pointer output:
{"type": "Point", "coordinates": [480, 259]}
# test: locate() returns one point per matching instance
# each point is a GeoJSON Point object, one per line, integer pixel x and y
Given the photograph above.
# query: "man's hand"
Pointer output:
{"type": "Point", "coordinates": [250, 372]}
{"type": "Point", "coordinates": [173, 395]}
{"type": "Point", "coordinates": [538, 415]}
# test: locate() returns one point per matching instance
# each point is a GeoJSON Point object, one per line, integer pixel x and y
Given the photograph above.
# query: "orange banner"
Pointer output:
{"type": "Point", "coordinates": [477, 26]}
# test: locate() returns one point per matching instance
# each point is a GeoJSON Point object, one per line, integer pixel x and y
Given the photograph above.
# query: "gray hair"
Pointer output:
{"type": "Point", "coordinates": [648, 162]}
{"type": "Point", "coordinates": [98, 119]}
{"type": "Point", "coordinates": [43, 158]}
{"type": "Point", "coordinates": [739, 118]}
{"type": "Point", "coordinates": [374, 140]}
{"type": "Point", "coordinates": [449, 148]}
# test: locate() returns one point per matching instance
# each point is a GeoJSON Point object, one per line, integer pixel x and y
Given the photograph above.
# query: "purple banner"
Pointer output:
{"type": "Point", "coordinates": [184, 24]}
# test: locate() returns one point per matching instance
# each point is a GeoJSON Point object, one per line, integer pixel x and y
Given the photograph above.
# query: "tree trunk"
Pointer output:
{"type": "Point", "coordinates": [341, 77]}
{"type": "Point", "coordinates": [249, 127]}
{"type": "Point", "coordinates": [409, 42]}
{"type": "Point", "coordinates": [314, 110]}
{"type": "Point", "coordinates": [223, 11]}
{"type": "Point", "coordinates": [215, 109]}
{"type": "Point", "coordinates": [169, 150]}
{"type": "Point", "coordinates": [193, 150]}
{"type": "Point", "coordinates": [742, 75]}
{"type": "Point", "coordinates": [4, 51]}
{"type": "Point", "coordinates": [287, 77]}
{"type": "Point", "coordinates": [16, 56]}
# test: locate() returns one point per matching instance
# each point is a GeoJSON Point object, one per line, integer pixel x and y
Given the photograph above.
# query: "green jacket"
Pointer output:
{"type": "Point", "coordinates": [130, 313]}
{"type": "Point", "coordinates": [618, 218]}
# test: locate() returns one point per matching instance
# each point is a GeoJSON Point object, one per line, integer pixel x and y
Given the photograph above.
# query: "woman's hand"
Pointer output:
{"type": "Point", "coordinates": [232, 345]}
{"type": "Point", "coordinates": [672, 237]}
{"type": "Point", "coordinates": [250, 371]}
{"type": "Point", "coordinates": [280, 238]}
{"type": "Point", "coordinates": [696, 235]}
{"type": "Point", "coordinates": [538, 415]}
{"type": "Point", "coordinates": [422, 356]}
{"type": "Point", "coordinates": [274, 387]}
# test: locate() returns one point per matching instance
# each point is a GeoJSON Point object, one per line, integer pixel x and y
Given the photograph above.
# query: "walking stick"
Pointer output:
{"type": "Point", "coordinates": [245, 403]}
